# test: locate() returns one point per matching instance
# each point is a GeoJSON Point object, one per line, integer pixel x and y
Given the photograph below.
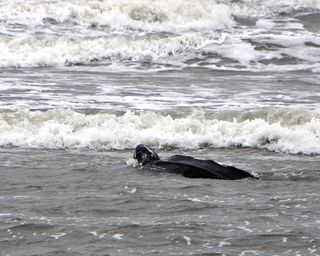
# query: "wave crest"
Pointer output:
{"type": "Point", "coordinates": [102, 131]}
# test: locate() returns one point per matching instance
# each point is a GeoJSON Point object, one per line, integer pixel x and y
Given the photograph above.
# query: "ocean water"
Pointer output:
{"type": "Point", "coordinates": [83, 82]}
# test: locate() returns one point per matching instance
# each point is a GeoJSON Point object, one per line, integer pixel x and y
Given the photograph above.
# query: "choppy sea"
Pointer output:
{"type": "Point", "coordinates": [83, 82]}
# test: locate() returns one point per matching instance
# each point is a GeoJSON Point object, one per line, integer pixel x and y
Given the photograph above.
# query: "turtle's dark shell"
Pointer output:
{"type": "Point", "coordinates": [197, 168]}
{"type": "Point", "coordinates": [188, 166]}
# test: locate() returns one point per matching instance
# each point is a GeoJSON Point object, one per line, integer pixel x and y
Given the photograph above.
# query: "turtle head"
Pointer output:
{"type": "Point", "coordinates": [144, 154]}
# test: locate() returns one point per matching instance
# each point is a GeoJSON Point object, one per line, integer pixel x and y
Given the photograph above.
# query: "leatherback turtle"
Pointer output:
{"type": "Point", "coordinates": [188, 166]}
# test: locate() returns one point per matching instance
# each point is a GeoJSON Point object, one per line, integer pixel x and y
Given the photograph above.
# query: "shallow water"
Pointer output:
{"type": "Point", "coordinates": [83, 82]}
{"type": "Point", "coordinates": [57, 202]}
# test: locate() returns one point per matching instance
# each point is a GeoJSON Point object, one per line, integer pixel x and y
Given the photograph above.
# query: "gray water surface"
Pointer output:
{"type": "Point", "coordinates": [92, 88]}
{"type": "Point", "coordinates": [57, 202]}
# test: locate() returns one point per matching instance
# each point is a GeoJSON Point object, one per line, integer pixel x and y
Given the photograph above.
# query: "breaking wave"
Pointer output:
{"type": "Point", "coordinates": [148, 15]}
{"type": "Point", "coordinates": [30, 52]}
{"type": "Point", "coordinates": [217, 34]}
{"type": "Point", "coordinates": [291, 131]}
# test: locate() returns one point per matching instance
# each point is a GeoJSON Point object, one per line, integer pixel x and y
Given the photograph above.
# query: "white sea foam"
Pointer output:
{"type": "Point", "coordinates": [257, 8]}
{"type": "Point", "coordinates": [223, 243]}
{"type": "Point", "coordinates": [94, 233]}
{"type": "Point", "coordinates": [174, 14]}
{"type": "Point", "coordinates": [167, 15]}
{"type": "Point", "coordinates": [118, 236]}
{"type": "Point", "coordinates": [58, 235]}
{"type": "Point", "coordinates": [42, 33]}
{"type": "Point", "coordinates": [197, 200]}
{"type": "Point", "coordinates": [30, 51]}
{"type": "Point", "coordinates": [132, 162]}
{"type": "Point", "coordinates": [286, 46]}
{"type": "Point", "coordinates": [188, 240]}
{"type": "Point", "coordinates": [55, 33]}
{"type": "Point", "coordinates": [289, 131]}
{"type": "Point", "coordinates": [294, 4]}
